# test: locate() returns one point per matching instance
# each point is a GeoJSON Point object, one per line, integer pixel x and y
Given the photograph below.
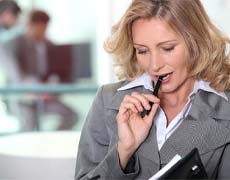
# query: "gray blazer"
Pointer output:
{"type": "Point", "coordinates": [206, 127]}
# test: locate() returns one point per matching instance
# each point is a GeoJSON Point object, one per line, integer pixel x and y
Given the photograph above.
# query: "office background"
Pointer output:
{"type": "Point", "coordinates": [72, 22]}
{"type": "Point", "coordinates": [75, 21]}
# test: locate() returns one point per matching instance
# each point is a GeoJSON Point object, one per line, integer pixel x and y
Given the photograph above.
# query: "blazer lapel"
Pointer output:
{"type": "Point", "coordinates": [149, 148]}
{"type": "Point", "coordinates": [199, 129]}
{"type": "Point", "coordinates": [119, 96]}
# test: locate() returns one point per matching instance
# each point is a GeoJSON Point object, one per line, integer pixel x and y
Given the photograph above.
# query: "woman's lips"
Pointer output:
{"type": "Point", "coordinates": [165, 77]}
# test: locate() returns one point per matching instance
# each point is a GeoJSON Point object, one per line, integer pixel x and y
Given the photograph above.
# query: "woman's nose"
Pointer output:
{"type": "Point", "coordinates": [156, 63]}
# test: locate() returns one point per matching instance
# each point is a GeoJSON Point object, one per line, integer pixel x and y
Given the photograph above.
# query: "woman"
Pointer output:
{"type": "Point", "coordinates": [175, 40]}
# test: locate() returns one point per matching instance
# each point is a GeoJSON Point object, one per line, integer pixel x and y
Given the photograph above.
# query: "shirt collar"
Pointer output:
{"type": "Point", "coordinates": [145, 80]}
{"type": "Point", "coordinates": [205, 85]}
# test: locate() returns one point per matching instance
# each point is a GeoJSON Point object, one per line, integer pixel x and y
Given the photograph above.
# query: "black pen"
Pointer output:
{"type": "Point", "coordinates": [155, 92]}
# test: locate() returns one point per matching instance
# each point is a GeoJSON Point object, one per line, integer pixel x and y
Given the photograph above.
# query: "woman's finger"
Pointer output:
{"type": "Point", "coordinates": [142, 99]}
{"type": "Point", "coordinates": [127, 106]}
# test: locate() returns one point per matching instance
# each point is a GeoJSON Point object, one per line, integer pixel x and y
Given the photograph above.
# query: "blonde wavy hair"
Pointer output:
{"type": "Point", "coordinates": [207, 47]}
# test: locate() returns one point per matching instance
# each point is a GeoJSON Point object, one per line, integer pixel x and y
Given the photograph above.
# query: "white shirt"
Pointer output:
{"type": "Point", "coordinates": [164, 131]}
{"type": "Point", "coordinates": [41, 52]}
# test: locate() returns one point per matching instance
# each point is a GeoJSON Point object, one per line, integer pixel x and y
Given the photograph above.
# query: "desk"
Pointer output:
{"type": "Point", "coordinates": [39, 155]}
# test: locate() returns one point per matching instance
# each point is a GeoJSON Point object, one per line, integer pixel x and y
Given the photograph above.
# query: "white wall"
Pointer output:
{"type": "Point", "coordinates": [72, 20]}
{"type": "Point", "coordinates": [219, 12]}
{"type": "Point", "coordinates": [108, 13]}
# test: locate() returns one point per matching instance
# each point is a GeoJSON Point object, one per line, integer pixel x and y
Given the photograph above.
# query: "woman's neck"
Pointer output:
{"type": "Point", "coordinates": [179, 96]}
{"type": "Point", "coordinates": [172, 103]}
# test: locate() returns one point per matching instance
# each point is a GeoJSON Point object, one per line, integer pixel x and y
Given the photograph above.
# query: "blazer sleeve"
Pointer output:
{"type": "Point", "coordinates": [96, 158]}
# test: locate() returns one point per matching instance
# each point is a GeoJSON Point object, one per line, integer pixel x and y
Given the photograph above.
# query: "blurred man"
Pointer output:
{"type": "Point", "coordinates": [9, 13]}
{"type": "Point", "coordinates": [31, 51]}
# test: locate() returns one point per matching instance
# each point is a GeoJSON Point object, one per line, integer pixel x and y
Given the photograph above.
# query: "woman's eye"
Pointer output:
{"type": "Point", "coordinates": [168, 49]}
{"type": "Point", "coordinates": [141, 51]}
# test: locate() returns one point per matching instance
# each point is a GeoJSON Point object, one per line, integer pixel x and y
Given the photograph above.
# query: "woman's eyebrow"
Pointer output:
{"type": "Point", "coordinates": [137, 44]}
{"type": "Point", "coordinates": [167, 41]}
{"type": "Point", "coordinates": [158, 44]}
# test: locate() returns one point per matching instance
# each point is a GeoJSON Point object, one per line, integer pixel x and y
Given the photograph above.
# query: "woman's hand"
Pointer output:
{"type": "Point", "coordinates": [132, 128]}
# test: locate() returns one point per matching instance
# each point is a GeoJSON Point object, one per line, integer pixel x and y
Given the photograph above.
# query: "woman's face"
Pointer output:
{"type": "Point", "coordinates": [160, 51]}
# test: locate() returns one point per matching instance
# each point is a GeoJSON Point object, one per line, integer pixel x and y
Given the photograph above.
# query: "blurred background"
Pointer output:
{"type": "Point", "coordinates": [78, 63]}
{"type": "Point", "coordinates": [41, 115]}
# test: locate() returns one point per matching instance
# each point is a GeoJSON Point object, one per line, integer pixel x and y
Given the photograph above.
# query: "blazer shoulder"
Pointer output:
{"type": "Point", "coordinates": [109, 93]}
{"type": "Point", "coordinates": [111, 88]}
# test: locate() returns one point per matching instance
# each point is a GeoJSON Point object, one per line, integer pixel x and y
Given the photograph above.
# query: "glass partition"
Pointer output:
{"type": "Point", "coordinates": [26, 108]}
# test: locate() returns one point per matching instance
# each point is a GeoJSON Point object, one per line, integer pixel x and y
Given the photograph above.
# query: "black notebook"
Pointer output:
{"type": "Point", "coordinates": [188, 167]}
